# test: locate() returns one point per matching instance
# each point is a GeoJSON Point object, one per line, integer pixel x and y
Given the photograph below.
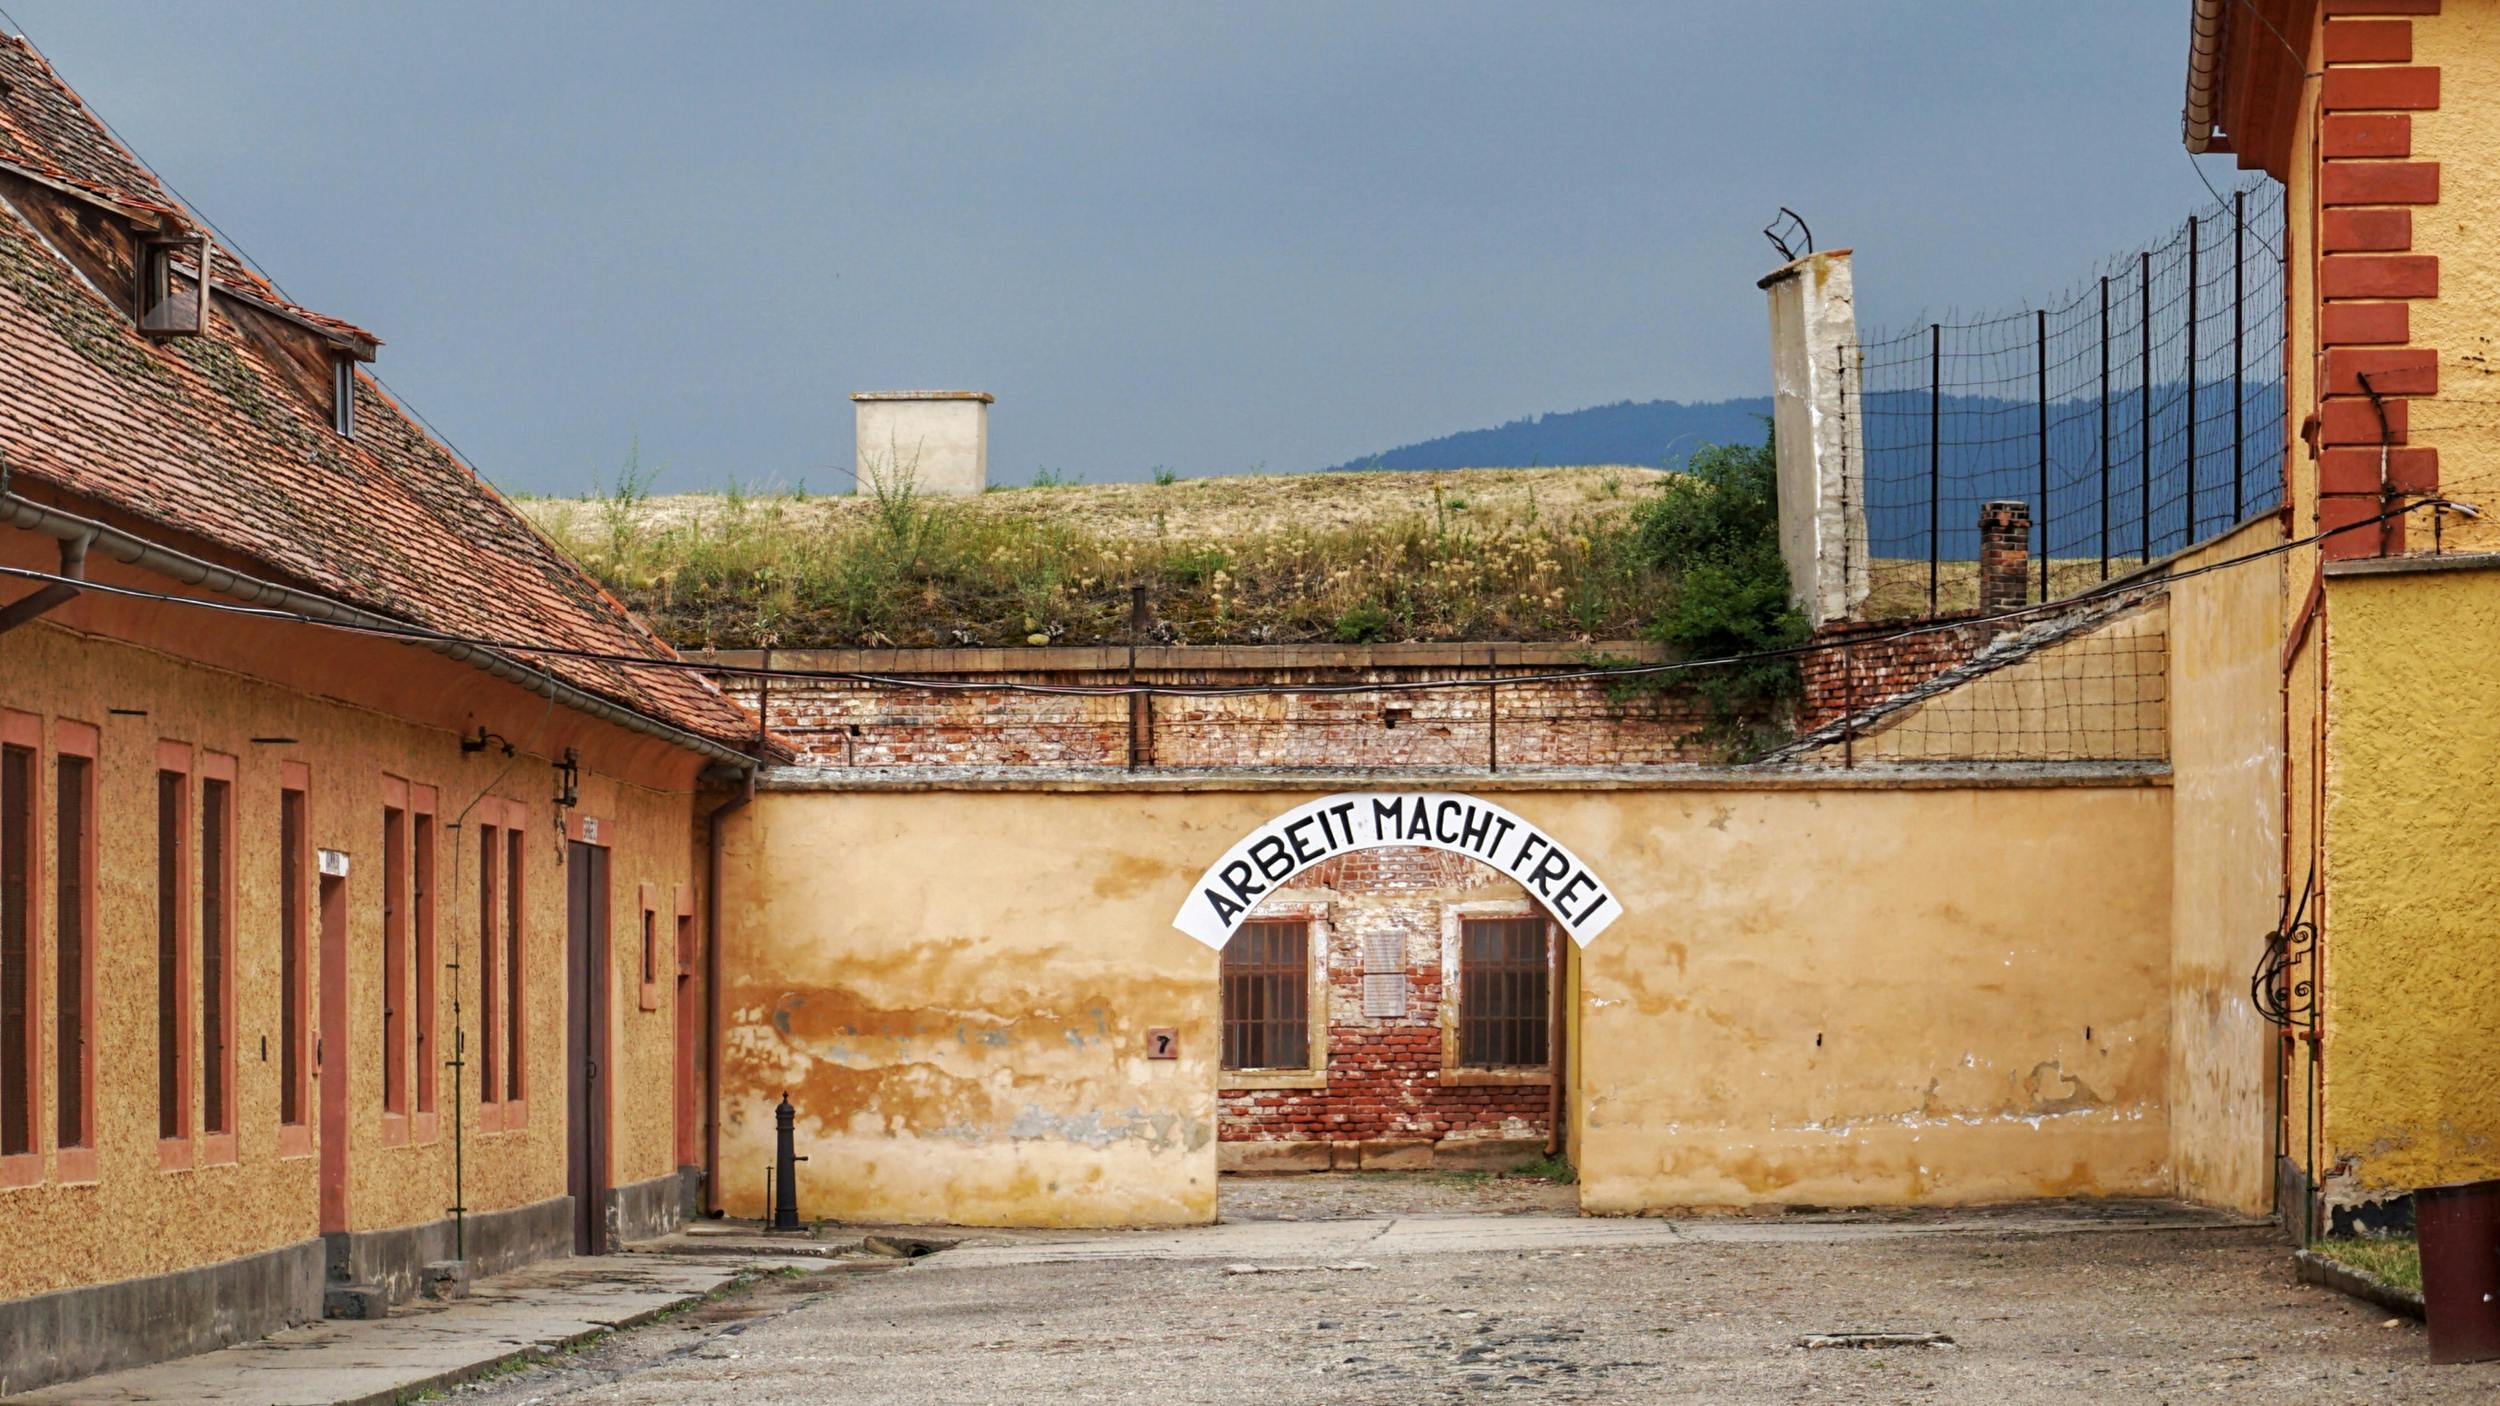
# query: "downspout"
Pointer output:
{"type": "Point", "coordinates": [53, 594]}
{"type": "Point", "coordinates": [192, 571]}
{"type": "Point", "coordinates": [711, 993]}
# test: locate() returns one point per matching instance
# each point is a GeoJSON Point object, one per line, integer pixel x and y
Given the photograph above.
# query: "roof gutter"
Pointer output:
{"type": "Point", "coordinates": [191, 571]}
{"type": "Point", "coordinates": [2202, 115]}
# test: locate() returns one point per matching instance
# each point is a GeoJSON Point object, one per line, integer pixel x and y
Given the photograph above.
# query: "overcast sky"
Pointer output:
{"type": "Point", "coordinates": [1213, 238]}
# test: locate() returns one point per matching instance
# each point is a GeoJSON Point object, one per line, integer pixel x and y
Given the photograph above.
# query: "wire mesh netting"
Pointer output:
{"type": "Point", "coordinates": [2137, 416]}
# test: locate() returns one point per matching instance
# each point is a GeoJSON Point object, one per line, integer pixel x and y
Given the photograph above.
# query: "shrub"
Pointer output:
{"type": "Point", "coordinates": [1714, 532]}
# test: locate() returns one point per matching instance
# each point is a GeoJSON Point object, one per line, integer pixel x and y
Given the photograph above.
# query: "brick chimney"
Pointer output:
{"type": "Point", "coordinates": [2004, 556]}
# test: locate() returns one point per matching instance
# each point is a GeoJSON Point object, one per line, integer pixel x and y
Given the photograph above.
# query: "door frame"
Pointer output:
{"type": "Point", "coordinates": [332, 1068]}
{"type": "Point", "coordinates": [589, 1101]}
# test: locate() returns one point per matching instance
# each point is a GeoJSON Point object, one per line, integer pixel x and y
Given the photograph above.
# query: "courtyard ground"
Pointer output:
{"type": "Point", "coordinates": [1303, 1295]}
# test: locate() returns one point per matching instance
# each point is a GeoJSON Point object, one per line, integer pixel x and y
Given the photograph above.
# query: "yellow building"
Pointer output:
{"type": "Point", "coordinates": [329, 954]}
{"type": "Point", "coordinates": [2379, 116]}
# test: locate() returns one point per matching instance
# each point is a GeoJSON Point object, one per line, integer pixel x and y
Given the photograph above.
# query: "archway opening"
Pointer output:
{"type": "Point", "coordinates": [1396, 1009]}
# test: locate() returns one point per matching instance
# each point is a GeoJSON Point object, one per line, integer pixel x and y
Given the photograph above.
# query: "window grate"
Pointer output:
{"type": "Point", "coordinates": [1267, 996]}
{"type": "Point", "coordinates": [291, 927]}
{"type": "Point", "coordinates": [1503, 993]}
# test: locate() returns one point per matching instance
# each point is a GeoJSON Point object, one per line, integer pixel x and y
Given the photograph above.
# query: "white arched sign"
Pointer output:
{"type": "Point", "coordinates": [1303, 836]}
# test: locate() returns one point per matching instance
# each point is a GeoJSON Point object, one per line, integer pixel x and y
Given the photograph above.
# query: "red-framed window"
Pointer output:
{"type": "Point", "coordinates": [649, 904]}
{"type": "Point", "coordinates": [516, 967]}
{"type": "Point", "coordinates": [216, 957]}
{"type": "Point", "coordinates": [422, 804]}
{"type": "Point", "coordinates": [295, 869]}
{"type": "Point", "coordinates": [21, 877]}
{"type": "Point", "coordinates": [489, 963]}
{"type": "Point", "coordinates": [173, 955]}
{"type": "Point", "coordinates": [394, 1023]}
{"type": "Point", "coordinates": [73, 948]}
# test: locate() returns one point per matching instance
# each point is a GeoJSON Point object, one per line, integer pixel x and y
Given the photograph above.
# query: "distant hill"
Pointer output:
{"type": "Point", "coordinates": [1652, 433]}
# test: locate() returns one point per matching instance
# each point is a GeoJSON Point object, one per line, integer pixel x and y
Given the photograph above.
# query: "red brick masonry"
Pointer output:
{"type": "Point", "coordinates": [1385, 1074]}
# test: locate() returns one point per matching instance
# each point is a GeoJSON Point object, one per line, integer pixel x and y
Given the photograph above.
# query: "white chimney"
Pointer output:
{"type": "Point", "coordinates": [935, 441]}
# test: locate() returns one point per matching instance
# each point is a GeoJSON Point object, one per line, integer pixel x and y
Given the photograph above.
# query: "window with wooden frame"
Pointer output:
{"type": "Point", "coordinates": [489, 964]}
{"type": "Point", "coordinates": [422, 803]}
{"type": "Point", "coordinates": [73, 949]}
{"type": "Point", "coordinates": [21, 1034]}
{"type": "Point", "coordinates": [295, 866]}
{"type": "Point", "coordinates": [1267, 996]}
{"type": "Point", "coordinates": [216, 994]}
{"type": "Point", "coordinates": [394, 960]}
{"type": "Point", "coordinates": [1505, 991]}
{"type": "Point", "coordinates": [173, 955]}
{"type": "Point", "coordinates": [162, 307]}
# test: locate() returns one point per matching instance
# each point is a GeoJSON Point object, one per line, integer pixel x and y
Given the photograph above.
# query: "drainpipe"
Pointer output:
{"type": "Point", "coordinates": [57, 593]}
{"type": "Point", "coordinates": [711, 994]}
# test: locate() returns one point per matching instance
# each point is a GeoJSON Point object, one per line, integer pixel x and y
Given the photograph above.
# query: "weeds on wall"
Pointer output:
{"type": "Point", "coordinates": [1553, 554]}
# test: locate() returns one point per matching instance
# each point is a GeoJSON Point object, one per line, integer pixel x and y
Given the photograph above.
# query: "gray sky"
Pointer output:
{"type": "Point", "coordinates": [1206, 237]}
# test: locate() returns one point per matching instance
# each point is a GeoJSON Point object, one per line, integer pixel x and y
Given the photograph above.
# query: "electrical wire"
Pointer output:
{"type": "Point", "coordinates": [420, 635]}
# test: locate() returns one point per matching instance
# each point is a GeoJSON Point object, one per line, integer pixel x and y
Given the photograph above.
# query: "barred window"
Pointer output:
{"type": "Point", "coordinates": [1504, 993]}
{"type": "Point", "coordinates": [1267, 996]}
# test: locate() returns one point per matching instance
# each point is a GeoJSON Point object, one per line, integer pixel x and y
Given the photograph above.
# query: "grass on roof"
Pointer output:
{"type": "Point", "coordinates": [1477, 554]}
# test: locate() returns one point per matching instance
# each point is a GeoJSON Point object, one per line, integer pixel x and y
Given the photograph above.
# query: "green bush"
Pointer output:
{"type": "Point", "coordinates": [1714, 532]}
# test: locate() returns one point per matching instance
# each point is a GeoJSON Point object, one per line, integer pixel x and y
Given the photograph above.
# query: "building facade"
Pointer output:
{"type": "Point", "coordinates": [2376, 115]}
{"type": "Point", "coordinates": [342, 950]}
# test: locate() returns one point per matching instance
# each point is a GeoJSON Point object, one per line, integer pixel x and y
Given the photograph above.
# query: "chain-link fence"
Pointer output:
{"type": "Point", "coordinates": [2138, 415]}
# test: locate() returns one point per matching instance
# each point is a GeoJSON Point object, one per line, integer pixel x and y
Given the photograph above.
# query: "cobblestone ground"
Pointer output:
{"type": "Point", "coordinates": [2036, 1311]}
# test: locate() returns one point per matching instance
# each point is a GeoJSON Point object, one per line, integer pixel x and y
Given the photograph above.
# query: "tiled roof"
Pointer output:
{"type": "Point", "coordinates": [209, 437]}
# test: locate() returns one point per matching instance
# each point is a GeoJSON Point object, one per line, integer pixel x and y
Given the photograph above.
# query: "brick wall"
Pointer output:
{"type": "Point", "coordinates": [1872, 669]}
{"type": "Point", "coordinates": [843, 723]}
{"type": "Point", "coordinates": [1385, 1073]}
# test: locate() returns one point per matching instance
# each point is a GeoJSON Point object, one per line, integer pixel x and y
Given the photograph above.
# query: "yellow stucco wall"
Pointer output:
{"type": "Point", "coordinates": [2463, 230]}
{"type": "Point", "coordinates": [2413, 923]}
{"type": "Point", "coordinates": [2226, 745]}
{"type": "Point", "coordinates": [1873, 997]}
{"type": "Point", "coordinates": [136, 1219]}
{"type": "Point", "coordinates": [955, 987]}
{"type": "Point", "coordinates": [955, 991]}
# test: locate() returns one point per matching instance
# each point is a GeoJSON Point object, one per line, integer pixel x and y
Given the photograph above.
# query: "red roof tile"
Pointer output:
{"type": "Point", "coordinates": [209, 437]}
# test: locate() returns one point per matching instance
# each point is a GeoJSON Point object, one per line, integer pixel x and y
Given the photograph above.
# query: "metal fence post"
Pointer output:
{"type": "Point", "coordinates": [1935, 455]}
{"type": "Point", "coordinates": [2239, 348]}
{"type": "Point", "coordinates": [2040, 341]}
{"type": "Point", "coordinates": [2144, 382]}
{"type": "Point", "coordinates": [2104, 427]}
{"type": "Point", "coordinates": [2191, 383]}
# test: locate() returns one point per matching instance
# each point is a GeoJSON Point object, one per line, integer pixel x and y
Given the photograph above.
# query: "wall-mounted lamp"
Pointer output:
{"type": "Point", "coordinates": [569, 779]}
{"type": "Point", "coordinates": [479, 743]}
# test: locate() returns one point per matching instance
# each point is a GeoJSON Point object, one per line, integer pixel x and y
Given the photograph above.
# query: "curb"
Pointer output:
{"type": "Point", "coordinates": [406, 1392]}
{"type": "Point", "coordinates": [2314, 1268]}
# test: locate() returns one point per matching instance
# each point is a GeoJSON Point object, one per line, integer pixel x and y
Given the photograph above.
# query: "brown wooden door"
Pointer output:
{"type": "Point", "coordinates": [689, 1018]}
{"type": "Point", "coordinates": [330, 1050]}
{"type": "Point", "coordinates": [586, 1043]}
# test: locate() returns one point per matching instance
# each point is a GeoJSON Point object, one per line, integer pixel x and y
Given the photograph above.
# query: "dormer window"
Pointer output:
{"type": "Point", "coordinates": [164, 311]}
{"type": "Point", "coordinates": [343, 396]}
